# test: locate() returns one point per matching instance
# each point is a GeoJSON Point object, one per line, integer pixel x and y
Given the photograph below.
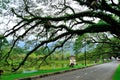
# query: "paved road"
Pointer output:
{"type": "Point", "coordinates": [98, 72]}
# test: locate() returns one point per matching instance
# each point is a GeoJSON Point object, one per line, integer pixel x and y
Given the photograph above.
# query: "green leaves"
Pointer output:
{"type": "Point", "coordinates": [3, 41]}
{"type": "Point", "coordinates": [100, 26]}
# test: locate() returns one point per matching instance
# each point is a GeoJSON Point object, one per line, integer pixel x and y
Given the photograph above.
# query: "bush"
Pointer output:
{"type": "Point", "coordinates": [117, 74]}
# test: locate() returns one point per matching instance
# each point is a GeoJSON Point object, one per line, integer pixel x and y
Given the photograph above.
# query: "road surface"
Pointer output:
{"type": "Point", "coordinates": [99, 72]}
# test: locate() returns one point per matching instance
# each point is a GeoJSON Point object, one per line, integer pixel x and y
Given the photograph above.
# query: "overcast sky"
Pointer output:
{"type": "Point", "coordinates": [8, 20]}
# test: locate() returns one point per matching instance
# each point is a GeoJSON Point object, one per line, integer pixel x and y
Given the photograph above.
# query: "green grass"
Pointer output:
{"type": "Point", "coordinates": [44, 70]}
{"type": "Point", "coordinates": [23, 75]}
{"type": "Point", "coordinates": [116, 75]}
{"type": "Point", "coordinates": [40, 72]}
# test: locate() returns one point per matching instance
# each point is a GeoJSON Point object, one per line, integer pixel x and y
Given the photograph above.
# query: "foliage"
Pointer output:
{"type": "Point", "coordinates": [104, 48]}
{"type": "Point", "coordinates": [59, 21]}
{"type": "Point", "coordinates": [117, 74]}
{"type": "Point", "coordinates": [78, 43]}
{"type": "Point", "coordinates": [4, 47]}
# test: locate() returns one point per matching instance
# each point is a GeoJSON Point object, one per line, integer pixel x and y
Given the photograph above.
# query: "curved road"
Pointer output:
{"type": "Point", "coordinates": [98, 72]}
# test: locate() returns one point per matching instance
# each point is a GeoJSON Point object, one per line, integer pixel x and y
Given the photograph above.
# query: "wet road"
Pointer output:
{"type": "Point", "coordinates": [98, 72]}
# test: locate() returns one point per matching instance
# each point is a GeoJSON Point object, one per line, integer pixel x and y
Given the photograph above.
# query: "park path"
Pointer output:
{"type": "Point", "coordinates": [99, 72]}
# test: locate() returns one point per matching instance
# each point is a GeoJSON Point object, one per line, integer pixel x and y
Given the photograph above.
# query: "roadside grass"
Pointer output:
{"type": "Point", "coordinates": [116, 75]}
{"type": "Point", "coordinates": [23, 75]}
{"type": "Point", "coordinates": [39, 72]}
{"type": "Point", "coordinates": [44, 70]}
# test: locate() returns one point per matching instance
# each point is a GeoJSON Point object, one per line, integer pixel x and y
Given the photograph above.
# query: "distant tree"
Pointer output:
{"type": "Point", "coordinates": [102, 45]}
{"type": "Point", "coordinates": [107, 44]}
{"type": "Point", "coordinates": [4, 45]}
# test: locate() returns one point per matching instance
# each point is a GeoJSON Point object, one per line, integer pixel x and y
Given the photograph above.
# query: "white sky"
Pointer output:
{"type": "Point", "coordinates": [5, 19]}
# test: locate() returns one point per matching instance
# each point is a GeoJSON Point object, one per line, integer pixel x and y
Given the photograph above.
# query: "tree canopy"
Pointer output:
{"type": "Point", "coordinates": [60, 21]}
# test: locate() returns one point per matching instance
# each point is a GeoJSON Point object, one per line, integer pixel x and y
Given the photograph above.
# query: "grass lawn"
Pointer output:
{"type": "Point", "coordinates": [39, 72]}
{"type": "Point", "coordinates": [117, 74]}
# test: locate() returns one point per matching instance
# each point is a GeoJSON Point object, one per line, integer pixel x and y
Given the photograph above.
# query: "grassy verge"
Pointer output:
{"type": "Point", "coordinates": [45, 70]}
{"type": "Point", "coordinates": [39, 72]}
{"type": "Point", "coordinates": [116, 75]}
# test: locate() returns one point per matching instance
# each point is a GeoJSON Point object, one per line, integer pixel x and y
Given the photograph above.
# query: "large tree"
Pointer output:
{"type": "Point", "coordinates": [60, 21]}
